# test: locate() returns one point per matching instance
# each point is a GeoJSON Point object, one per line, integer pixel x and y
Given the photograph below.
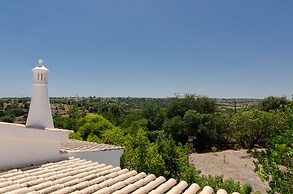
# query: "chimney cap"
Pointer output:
{"type": "Point", "coordinates": [41, 62]}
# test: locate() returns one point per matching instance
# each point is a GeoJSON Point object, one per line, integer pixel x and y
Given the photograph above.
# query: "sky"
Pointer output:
{"type": "Point", "coordinates": [148, 48]}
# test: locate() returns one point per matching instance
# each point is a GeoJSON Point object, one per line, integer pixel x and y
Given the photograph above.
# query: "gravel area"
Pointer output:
{"type": "Point", "coordinates": [235, 164]}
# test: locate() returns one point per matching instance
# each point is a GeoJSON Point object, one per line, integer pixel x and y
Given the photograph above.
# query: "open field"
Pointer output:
{"type": "Point", "coordinates": [235, 164]}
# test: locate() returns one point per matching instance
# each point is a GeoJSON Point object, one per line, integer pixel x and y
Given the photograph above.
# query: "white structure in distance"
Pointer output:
{"type": "Point", "coordinates": [40, 115]}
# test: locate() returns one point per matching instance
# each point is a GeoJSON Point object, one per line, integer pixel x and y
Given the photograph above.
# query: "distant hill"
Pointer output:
{"type": "Point", "coordinates": [16, 109]}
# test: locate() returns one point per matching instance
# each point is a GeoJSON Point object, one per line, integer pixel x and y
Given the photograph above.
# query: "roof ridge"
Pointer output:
{"type": "Point", "coordinates": [73, 146]}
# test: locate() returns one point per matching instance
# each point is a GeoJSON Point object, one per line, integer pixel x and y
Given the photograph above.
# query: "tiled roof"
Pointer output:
{"type": "Point", "coordinates": [84, 146]}
{"type": "Point", "coordinates": [78, 176]}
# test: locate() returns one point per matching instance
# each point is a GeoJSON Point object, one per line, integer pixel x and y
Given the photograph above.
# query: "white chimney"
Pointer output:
{"type": "Point", "coordinates": [40, 115]}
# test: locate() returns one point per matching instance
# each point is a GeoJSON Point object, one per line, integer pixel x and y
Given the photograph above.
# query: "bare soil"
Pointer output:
{"type": "Point", "coordinates": [235, 164]}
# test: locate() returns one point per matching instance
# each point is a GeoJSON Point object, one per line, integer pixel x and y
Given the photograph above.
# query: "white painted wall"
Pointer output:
{"type": "Point", "coordinates": [110, 157]}
{"type": "Point", "coordinates": [20, 145]}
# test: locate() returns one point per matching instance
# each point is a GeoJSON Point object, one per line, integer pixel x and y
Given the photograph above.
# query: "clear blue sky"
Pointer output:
{"type": "Point", "coordinates": [148, 48]}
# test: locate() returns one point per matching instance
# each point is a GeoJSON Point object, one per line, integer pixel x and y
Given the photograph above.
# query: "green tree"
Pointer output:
{"type": "Point", "coordinates": [176, 128]}
{"type": "Point", "coordinates": [254, 127]}
{"type": "Point", "coordinates": [175, 157]}
{"type": "Point", "coordinates": [112, 112]}
{"type": "Point", "coordinates": [140, 154]}
{"type": "Point", "coordinates": [273, 103]}
{"type": "Point", "coordinates": [1, 104]}
{"type": "Point", "coordinates": [114, 136]}
{"type": "Point", "coordinates": [2, 113]}
{"type": "Point", "coordinates": [179, 105]}
{"type": "Point", "coordinates": [127, 120]}
{"type": "Point", "coordinates": [92, 127]}
{"type": "Point", "coordinates": [7, 119]}
{"type": "Point", "coordinates": [155, 117]}
{"type": "Point", "coordinates": [275, 163]}
{"type": "Point", "coordinates": [71, 122]}
{"type": "Point", "coordinates": [135, 126]}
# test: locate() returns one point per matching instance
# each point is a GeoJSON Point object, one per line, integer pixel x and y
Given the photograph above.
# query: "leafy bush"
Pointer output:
{"type": "Point", "coordinates": [7, 119]}
{"type": "Point", "coordinates": [179, 105]}
{"type": "Point", "coordinates": [275, 163]}
{"type": "Point", "coordinates": [273, 103]}
{"type": "Point", "coordinates": [254, 126]}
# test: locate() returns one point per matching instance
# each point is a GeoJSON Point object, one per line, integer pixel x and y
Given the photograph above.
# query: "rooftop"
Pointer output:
{"type": "Point", "coordinates": [78, 176]}
{"type": "Point", "coordinates": [71, 145]}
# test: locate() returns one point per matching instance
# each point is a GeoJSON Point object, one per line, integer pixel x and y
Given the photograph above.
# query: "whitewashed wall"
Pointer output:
{"type": "Point", "coordinates": [109, 157]}
{"type": "Point", "coordinates": [20, 145]}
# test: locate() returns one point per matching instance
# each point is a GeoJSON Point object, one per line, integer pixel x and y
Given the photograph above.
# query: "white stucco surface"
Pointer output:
{"type": "Point", "coordinates": [20, 145]}
{"type": "Point", "coordinates": [109, 157]}
{"type": "Point", "coordinates": [40, 115]}
{"type": "Point", "coordinates": [40, 111]}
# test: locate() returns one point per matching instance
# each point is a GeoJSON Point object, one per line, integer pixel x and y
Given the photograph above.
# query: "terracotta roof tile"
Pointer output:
{"type": "Point", "coordinates": [207, 190]}
{"type": "Point", "coordinates": [221, 191]}
{"type": "Point", "coordinates": [50, 189]}
{"type": "Point", "coordinates": [150, 186]}
{"type": "Point", "coordinates": [178, 188]}
{"type": "Point", "coordinates": [10, 188]}
{"type": "Point", "coordinates": [71, 146]}
{"type": "Point", "coordinates": [164, 187]}
{"type": "Point", "coordinates": [63, 190]}
{"type": "Point", "coordinates": [20, 191]}
{"type": "Point", "coordinates": [194, 188]}
{"type": "Point", "coordinates": [5, 183]}
{"type": "Point", "coordinates": [78, 176]}
{"type": "Point", "coordinates": [129, 186]}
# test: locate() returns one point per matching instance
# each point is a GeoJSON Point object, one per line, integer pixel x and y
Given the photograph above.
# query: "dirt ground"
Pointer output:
{"type": "Point", "coordinates": [236, 164]}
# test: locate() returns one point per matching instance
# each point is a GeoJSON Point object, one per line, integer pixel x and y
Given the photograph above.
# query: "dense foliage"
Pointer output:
{"type": "Point", "coordinates": [10, 109]}
{"type": "Point", "coordinates": [275, 163]}
{"type": "Point", "coordinates": [158, 134]}
{"type": "Point", "coordinates": [273, 103]}
{"type": "Point", "coordinates": [160, 157]}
